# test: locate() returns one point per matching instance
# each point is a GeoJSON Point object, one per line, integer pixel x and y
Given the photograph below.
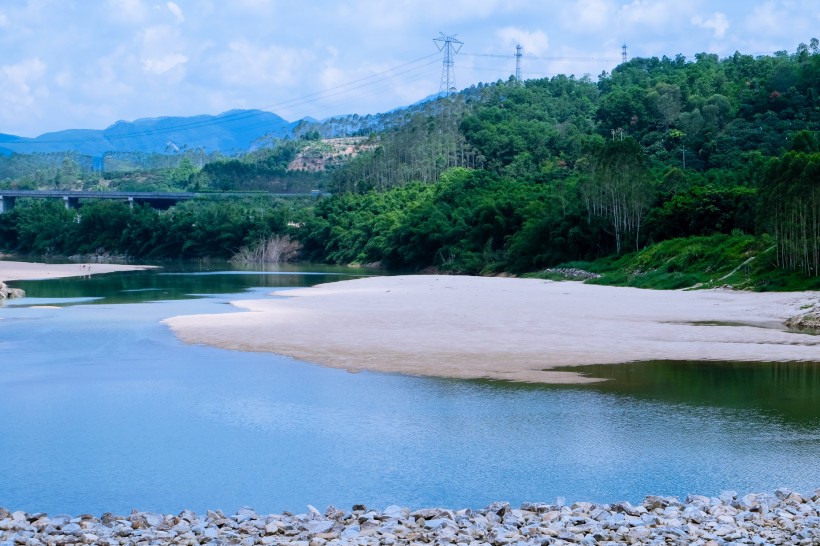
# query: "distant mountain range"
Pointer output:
{"type": "Point", "coordinates": [230, 132]}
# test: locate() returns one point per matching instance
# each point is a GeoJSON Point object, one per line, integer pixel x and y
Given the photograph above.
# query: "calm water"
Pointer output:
{"type": "Point", "coordinates": [102, 409]}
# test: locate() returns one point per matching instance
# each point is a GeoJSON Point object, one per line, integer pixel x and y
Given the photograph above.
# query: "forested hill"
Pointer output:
{"type": "Point", "coordinates": [563, 169]}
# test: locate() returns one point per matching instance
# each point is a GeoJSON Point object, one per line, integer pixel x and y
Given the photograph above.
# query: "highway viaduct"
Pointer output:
{"type": "Point", "coordinates": [158, 200]}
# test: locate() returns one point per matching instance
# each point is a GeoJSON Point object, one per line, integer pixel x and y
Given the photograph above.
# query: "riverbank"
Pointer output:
{"type": "Point", "coordinates": [784, 517]}
{"type": "Point", "coordinates": [25, 271]}
{"type": "Point", "coordinates": [506, 328]}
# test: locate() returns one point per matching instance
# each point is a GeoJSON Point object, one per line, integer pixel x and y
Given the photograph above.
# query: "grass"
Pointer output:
{"type": "Point", "coordinates": [743, 262]}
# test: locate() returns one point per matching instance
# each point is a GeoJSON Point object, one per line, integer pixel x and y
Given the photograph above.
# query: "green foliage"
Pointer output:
{"type": "Point", "coordinates": [262, 170]}
{"type": "Point", "coordinates": [422, 145]}
{"type": "Point", "coordinates": [470, 222]}
{"type": "Point", "coordinates": [191, 229]}
{"type": "Point", "coordinates": [704, 210]}
{"type": "Point", "coordinates": [740, 261]}
{"type": "Point", "coordinates": [41, 227]}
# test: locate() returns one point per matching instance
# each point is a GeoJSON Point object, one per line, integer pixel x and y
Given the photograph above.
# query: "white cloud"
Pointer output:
{"type": "Point", "coordinates": [658, 15]}
{"type": "Point", "coordinates": [718, 23]}
{"type": "Point", "coordinates": [162, 50]}
{"type": "Point", "coordinates": [64, 79]}
{"type": "Point", "coordinates": [174, 8]}
{"type": "Point", "coordinates": [129, 11]}
{"type": "Point", "coordinates": [21, 75]}
{"type": "Point", "coordinates": [107, 83]}
{"type": "Point", "coordinates": [782, 19]}
{"type": "Point", "coordinates": [161, 65]}
{"type": "Point", "coordinates": [403, 16]}
{"type": "Point", "coordinates": [249, 65]}
{"type": "Point", "coordinates": [587, 16]}
{"type": "Point", "coordinates": [254, 5]}
{"type": "Point", "coordinates": [4, 20]}
{"type": "Point", "coordinates": [535, 42]}
{"type": "Point", "coordinates": [20, 87]}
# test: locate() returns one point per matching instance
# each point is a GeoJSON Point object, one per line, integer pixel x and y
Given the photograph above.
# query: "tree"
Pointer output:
{"type": "Point", "coordinates": [790, 206]}
{"type": "Point", "coordinates": [619, 188]}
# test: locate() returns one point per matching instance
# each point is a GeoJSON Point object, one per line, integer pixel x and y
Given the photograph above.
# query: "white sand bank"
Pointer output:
{"type": "Point", "coordinates": [24, 271]}
{"type": "Point", "coordinates": [501, 328]}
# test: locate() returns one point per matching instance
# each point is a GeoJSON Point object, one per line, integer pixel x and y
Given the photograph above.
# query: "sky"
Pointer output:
{"type": "Point", "coordinates": [85, 64]}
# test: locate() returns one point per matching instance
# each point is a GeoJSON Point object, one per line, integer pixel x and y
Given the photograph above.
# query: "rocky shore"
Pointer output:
{"type": "Point", "coordinates": [7, 292]}
{"type": "Point", "coordinates": [808, 321]}
{"type": "Point", "coordinates": [785, 517]}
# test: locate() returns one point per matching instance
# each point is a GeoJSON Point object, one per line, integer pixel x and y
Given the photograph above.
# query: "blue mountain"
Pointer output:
{"type": "Point", "coordinates": [234, 131]}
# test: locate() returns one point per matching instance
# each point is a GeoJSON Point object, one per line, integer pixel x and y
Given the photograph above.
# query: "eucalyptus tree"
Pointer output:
{"type": "Point", "coordinates": [618, 187]}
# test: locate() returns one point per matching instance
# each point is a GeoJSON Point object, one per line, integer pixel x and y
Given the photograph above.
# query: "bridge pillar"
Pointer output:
{"type": "Point", "coordinates": [6, 203]}
{"type": "Point", "coordinates": [71, 202]}
{"type": "Point", "coordinates": [131, 203]}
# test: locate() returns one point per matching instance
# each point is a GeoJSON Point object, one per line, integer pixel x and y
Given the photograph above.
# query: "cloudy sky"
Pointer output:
{"type": "Point", "coordinates": [88, 63]}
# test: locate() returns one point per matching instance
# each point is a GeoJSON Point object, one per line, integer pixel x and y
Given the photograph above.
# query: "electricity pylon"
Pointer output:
{"type": "Point", "coordinates": [519, 52]}
{"type": "Point", "coordinates": [450, 46]}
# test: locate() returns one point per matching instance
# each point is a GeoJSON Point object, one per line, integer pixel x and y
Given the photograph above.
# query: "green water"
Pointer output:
{"type": "Point", "coordinates": [787, 391]}
{"type": "Point", "coordinates": [182, 281]}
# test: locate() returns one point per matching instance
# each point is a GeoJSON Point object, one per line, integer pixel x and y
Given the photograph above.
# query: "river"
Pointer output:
{"type": "Point", "coordinates": [104, 410]}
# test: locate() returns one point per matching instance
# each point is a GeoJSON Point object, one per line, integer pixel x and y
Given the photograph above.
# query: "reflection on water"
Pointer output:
{"type": "Point", "coordinates": [103, 409]}
{"type": "Point", "coordinates": [179, 281]}
{"type": "Point", "coordinates": [786, 390]}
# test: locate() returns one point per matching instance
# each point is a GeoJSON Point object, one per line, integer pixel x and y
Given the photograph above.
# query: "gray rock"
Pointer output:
{"type": "Point", "coordinates": [318, 527]}
{"type": "Point", "coordinates": [499, 508]}
{"type": "Point", "coordinates": [350, 533]}
{"type": "Point", "coordinates": [71, 529]}
{"type": "Point", "coordinates": [396, 512]}
{"type": "Point", "coordinates": [785, 517]}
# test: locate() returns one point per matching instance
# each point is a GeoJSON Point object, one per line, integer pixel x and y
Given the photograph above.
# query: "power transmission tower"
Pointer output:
{"type": "Point", "coordinates": [519, 52]}
{"type": "Point", "coordinates": [450, 46]}
{"type": "Point", "coordinates": [623, 53]}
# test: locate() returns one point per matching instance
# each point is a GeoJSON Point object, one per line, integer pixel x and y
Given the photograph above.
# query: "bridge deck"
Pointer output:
{"type": "Point", "coordinates": [160, 200]}
{"type": "Point", "coordinates": [177, 196]}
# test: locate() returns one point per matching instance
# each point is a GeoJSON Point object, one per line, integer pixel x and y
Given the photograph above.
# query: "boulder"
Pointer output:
{"type": "Point", "coordinates": [7, 293]}
{"type": "Point", "coordinates": [808, 321]}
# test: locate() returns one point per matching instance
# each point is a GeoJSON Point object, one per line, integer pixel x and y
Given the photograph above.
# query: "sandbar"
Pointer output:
{"type": "Point", "coordinates": [26, 271]}
{"type": "Point", "coordinates": [505, 328]}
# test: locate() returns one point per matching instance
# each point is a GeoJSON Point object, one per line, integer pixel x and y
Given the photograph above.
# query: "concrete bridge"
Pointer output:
{"type": "Point", "coordinates": [157, 200]}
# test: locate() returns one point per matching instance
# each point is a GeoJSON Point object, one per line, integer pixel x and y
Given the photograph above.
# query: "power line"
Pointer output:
{"type": "Point", "coordinates": [544, 58]}
{"type": "Point", "coordinates": [310, 98]}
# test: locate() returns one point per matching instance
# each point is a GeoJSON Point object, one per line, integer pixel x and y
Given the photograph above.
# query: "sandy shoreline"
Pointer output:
{"type": "Point", "coordinates": [502, 328]}
{"type": "Point", "coordinates": [25, 271]}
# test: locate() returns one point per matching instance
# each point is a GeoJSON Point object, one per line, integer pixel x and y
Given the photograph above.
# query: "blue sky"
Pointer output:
{"type": "Point", "coordinates": [88, 63]}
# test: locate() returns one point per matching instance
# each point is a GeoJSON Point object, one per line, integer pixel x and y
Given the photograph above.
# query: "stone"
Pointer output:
{"type": "Point", "coordinates": [350, 533]}
{"type": "Point", "coordinates": [317, 527]}
{"type": "Point", "coordinates": [396, 512]}
{"type": "Point", "coordinates": [786, 517]}
{"type": "Point", "coordinates": [71, 529]}
{"type": "Point", "coordinates": [499, 508]}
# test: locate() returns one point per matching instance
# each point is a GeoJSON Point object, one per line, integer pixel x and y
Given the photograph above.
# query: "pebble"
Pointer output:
{"type": "Point", "coordinates": [783, 517]}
